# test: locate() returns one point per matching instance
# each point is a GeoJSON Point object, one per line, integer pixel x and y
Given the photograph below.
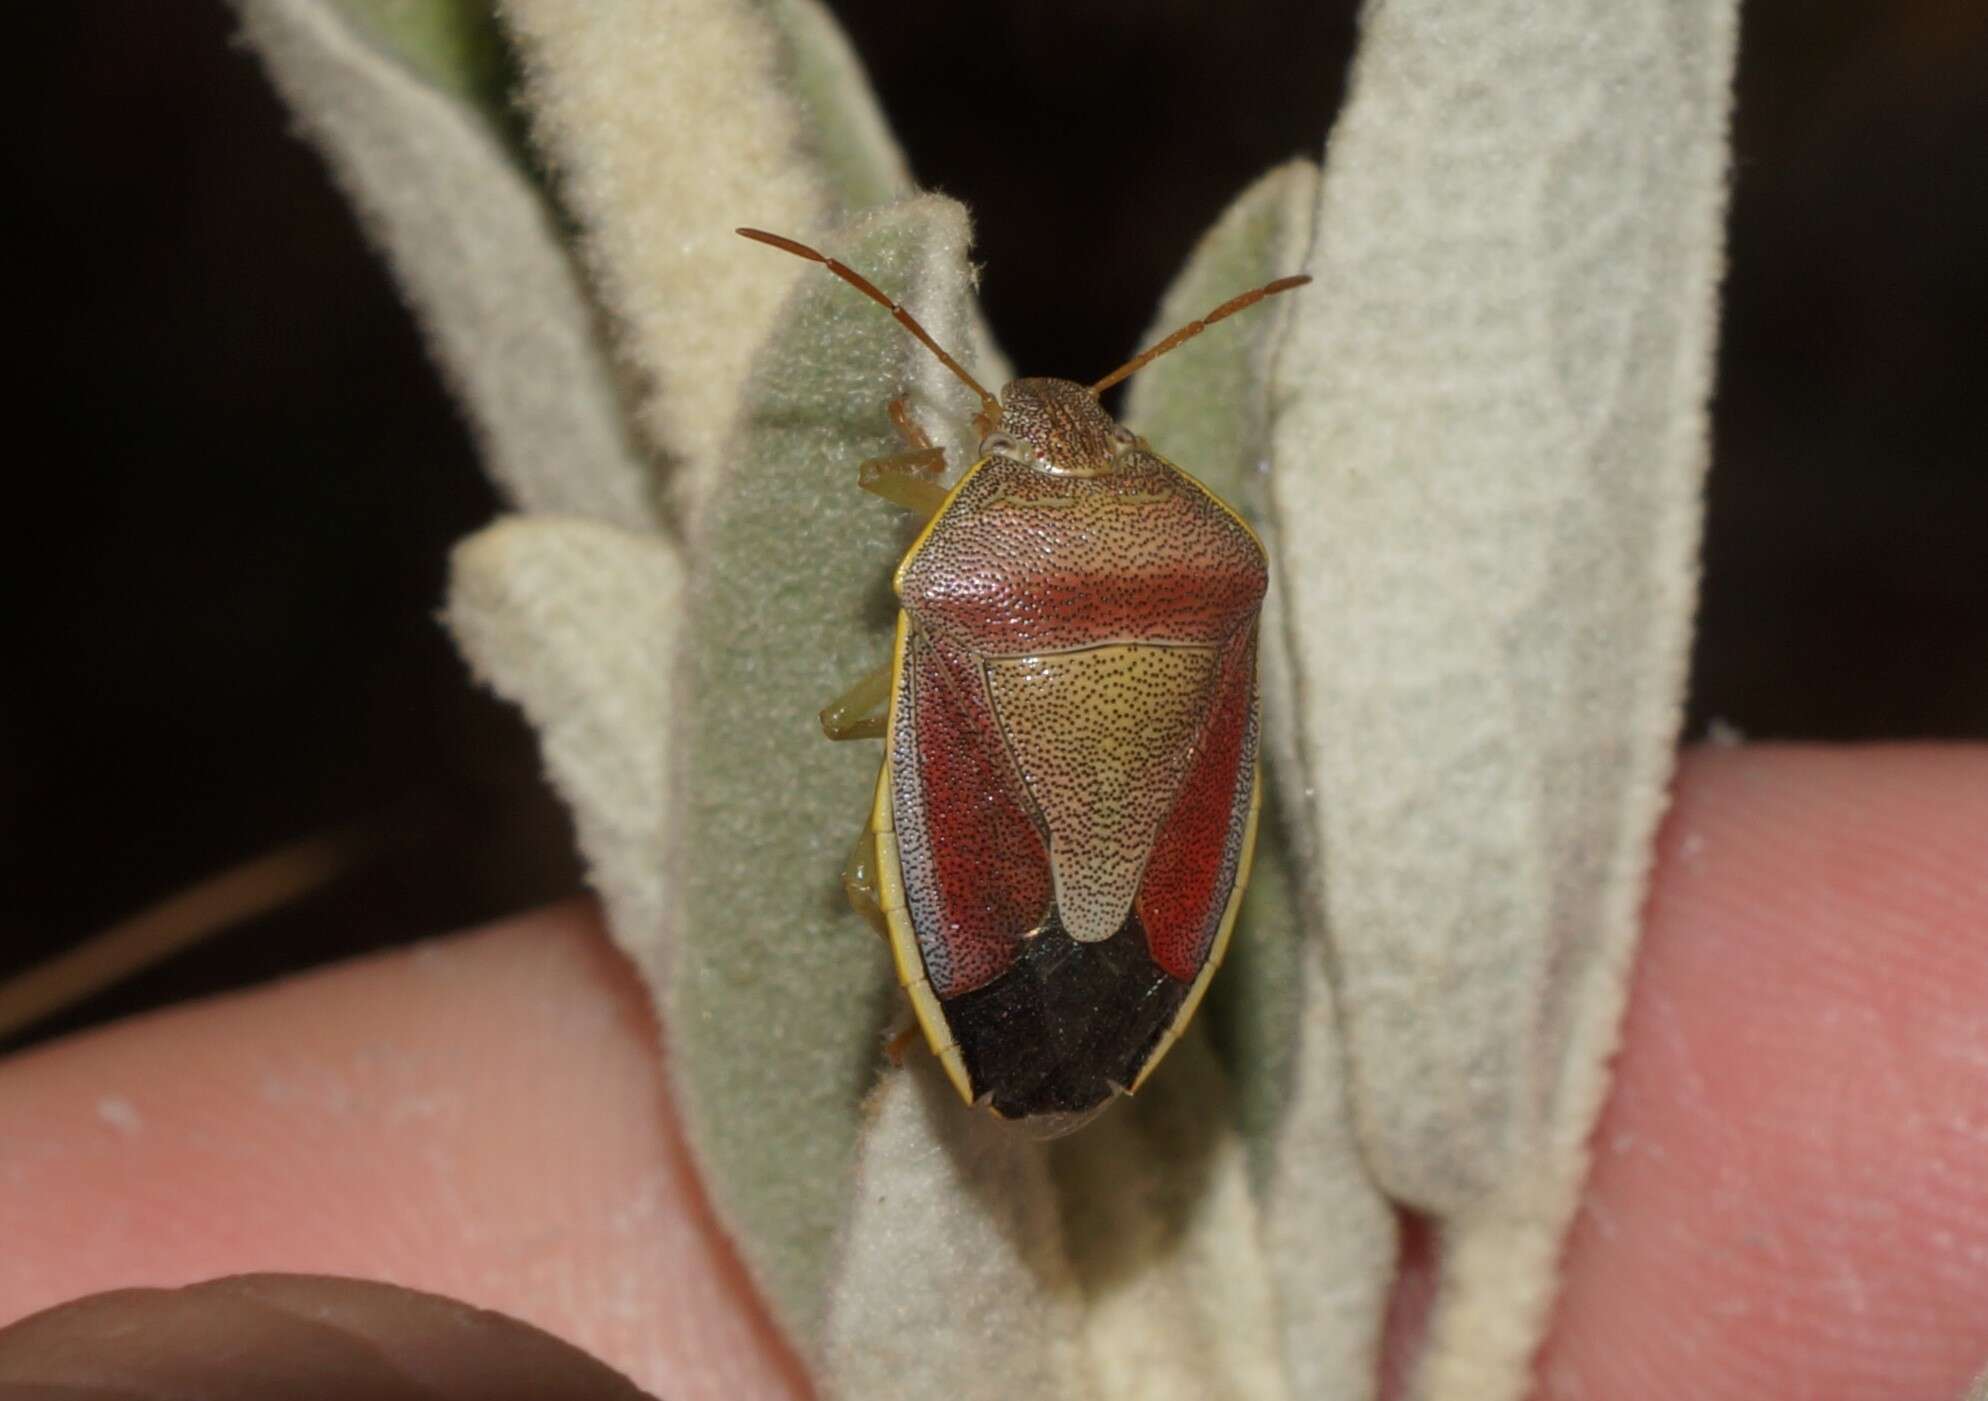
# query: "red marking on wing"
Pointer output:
{"type": "Point", "coordinates": [1192, 868]}
{"type": "Point", "coordinates": [988, 864]}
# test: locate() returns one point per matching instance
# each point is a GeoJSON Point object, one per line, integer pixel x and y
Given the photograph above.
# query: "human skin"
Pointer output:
{"type": "Point", "coordinates": [1789, 1195]}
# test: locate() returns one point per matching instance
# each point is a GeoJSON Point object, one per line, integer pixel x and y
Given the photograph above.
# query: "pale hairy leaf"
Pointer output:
{"type": "Point", "coordinates": [668, 123]}
{"type": "Point", "coordinates": [1207, 406]}
{"type": "Point", "coordinates": [1125, 1262]}
{"type": "Point", "coordinates": [402, 98]}
{"type": "Point", "coordinates": [577, 622]}
{"type": "Point", "coordinates": [1488, 470]}
{"type": "Point", "coordinates": [953, 1217]}
{"type": "Point", "coordinates": [1168, 1243]}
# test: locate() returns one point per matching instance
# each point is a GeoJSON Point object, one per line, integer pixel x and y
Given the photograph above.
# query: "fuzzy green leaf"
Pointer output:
{"type": "Point", "coordinates": [778, 993]}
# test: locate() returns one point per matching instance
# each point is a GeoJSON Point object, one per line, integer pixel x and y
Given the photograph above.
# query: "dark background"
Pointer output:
{"type": "Point", "coordinates": [236, 478]}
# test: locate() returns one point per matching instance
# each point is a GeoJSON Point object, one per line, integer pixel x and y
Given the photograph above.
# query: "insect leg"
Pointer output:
{"type": "Point", "coordinates": [907, 426]}
{"type": "Point", "coordinates": [859, 883]}
{"type": "Point", "coordinates": [910, 478]}
{"type": "Point", "coordinates": [901, 1042]}
{"type": "Point", "coordinates": [861, 711]}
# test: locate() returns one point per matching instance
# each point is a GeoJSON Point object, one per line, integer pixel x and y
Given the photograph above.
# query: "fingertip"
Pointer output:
{"type": "Point", "coordinates": [485, 1117]}
{"type": "Point", "coordinates": [1786, 1196]}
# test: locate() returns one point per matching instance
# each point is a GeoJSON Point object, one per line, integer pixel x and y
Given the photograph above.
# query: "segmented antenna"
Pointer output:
{"type": "Point", "coordinates": [1195, 328]}
{"type": "Point", "coordinates": [991, 407]}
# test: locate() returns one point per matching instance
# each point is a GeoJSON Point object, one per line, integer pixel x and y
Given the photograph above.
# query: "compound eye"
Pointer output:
{"type": "Point", "coordinates": [1006, 445]}
{"type": "Point", "coordinates": [1124, 440]}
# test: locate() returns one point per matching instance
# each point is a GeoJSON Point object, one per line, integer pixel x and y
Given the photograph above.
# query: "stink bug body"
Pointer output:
{"type": "Point", "coordinates": [1063, 825]}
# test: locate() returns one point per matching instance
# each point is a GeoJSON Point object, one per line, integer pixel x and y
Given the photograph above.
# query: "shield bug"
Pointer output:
{"type": "Point", "coordinates": [1063, 825]}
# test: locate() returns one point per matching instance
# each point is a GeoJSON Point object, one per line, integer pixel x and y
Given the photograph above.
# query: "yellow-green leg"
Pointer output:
{"type": "Point", "coordinates": [862, 711]}
{"type": "Point", "coordinates": [859, 883]}
{"type": "Point", "coordinates": [909, 479]}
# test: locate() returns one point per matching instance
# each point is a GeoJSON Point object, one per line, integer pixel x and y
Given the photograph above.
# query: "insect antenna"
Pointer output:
{"type": "Point", "coordinates": [990, 406]}
{"type": "Point", "coordinates": [1195, 328]}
